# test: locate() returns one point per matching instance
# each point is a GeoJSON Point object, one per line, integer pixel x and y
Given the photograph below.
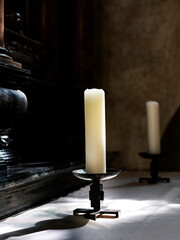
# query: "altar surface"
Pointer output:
{"type": "Point", "coordinates": [148, 211]}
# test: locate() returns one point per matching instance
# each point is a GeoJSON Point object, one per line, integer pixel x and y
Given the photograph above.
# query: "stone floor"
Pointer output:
{"type": "Point", "coordinates": [148, 211]}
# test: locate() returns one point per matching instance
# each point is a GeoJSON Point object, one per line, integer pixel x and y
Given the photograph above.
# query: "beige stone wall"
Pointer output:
{"type": "Point", "coordinates": [137, 49]}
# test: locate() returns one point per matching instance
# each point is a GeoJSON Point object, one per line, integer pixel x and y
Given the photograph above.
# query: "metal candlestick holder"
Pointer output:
{"type": "Point", "coordinates": [153, 168]}
{"type": "Point", "coordinates": [96, 193]}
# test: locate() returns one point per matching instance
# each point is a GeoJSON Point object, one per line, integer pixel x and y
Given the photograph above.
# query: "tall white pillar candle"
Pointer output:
{"type": "Point", "coordinates": [95, 130]}
{"type": "Point", "coordinates": [153, 127]}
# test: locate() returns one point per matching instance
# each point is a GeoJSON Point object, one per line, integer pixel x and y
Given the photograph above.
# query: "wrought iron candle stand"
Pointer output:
{"type": "Point", "coordinates": [96, 194]}
{"type": "Point", "coordinates": [153, 168]}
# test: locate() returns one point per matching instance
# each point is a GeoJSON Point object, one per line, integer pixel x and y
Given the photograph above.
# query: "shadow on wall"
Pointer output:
{"type": "Point", "coordinates": [170, 143]}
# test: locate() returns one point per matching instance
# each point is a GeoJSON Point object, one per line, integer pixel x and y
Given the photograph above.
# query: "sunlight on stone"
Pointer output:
{"type": "Point", "coordinates": [45, 235]}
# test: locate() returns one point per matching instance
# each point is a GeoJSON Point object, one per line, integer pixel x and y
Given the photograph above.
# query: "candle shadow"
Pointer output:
{"type": "Point", "coordinates": [68, 222]}
{"type": "Point", "coordinates": [170, 143]}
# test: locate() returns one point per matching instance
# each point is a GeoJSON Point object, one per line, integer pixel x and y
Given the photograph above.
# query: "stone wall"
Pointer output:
{"type": "Point", "coordinates": [137, 58]}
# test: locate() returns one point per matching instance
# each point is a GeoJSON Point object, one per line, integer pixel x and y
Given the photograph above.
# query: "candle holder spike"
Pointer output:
{"type": "Point", "coordinates": [96, 194]}
{"type": "Point", "coordinates": [153, 169]}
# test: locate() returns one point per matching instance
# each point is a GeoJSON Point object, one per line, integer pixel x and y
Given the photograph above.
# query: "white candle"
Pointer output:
{"type": "Point", "coordinates": [95, 130]}
{"type": "Point", "coordinates": [153, 127]}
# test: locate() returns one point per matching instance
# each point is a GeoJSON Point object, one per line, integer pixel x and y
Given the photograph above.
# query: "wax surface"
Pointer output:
{"type": "Point", "coordinates": [95, 131]}
{"type": "Point", "coordinates": [153, 127]}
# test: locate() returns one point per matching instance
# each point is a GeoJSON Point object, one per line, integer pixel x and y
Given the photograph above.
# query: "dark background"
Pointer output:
{"type": "Point", "coordinates": [128, 48]}
{"type": "Point", "coordinates": [52, 40]}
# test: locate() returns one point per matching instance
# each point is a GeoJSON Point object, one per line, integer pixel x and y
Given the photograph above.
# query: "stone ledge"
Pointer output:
{"type": "Point", "coordinates": [37, 189]}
